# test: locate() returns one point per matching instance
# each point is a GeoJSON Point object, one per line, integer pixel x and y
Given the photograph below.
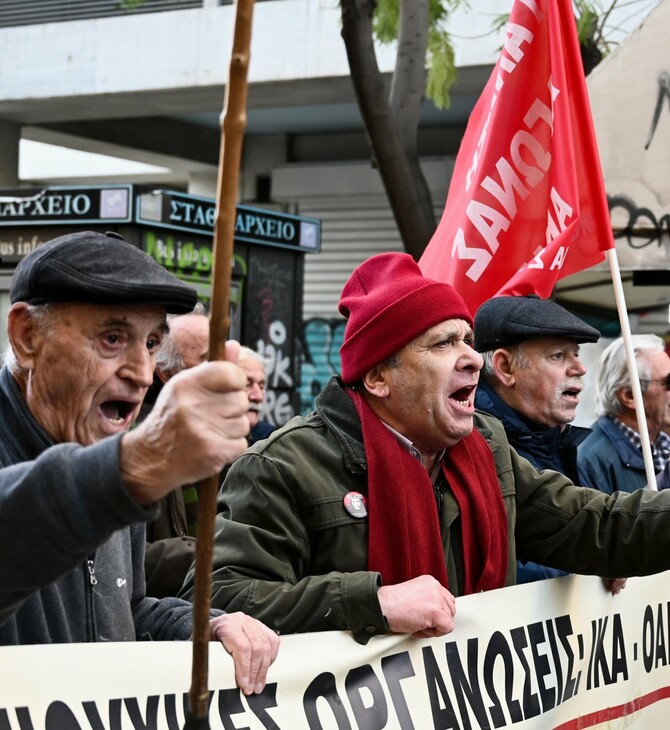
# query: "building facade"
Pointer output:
{"type": "Point", "coordinates": [148, 86]}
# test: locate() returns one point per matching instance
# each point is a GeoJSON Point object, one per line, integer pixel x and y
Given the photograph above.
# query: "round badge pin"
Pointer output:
{"type": "Point", "coordinates": [355, 504]}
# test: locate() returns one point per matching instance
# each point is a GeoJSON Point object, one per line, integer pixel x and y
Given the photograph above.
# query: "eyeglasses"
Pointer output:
{"type": "Point", "coordinates": [665, 382]}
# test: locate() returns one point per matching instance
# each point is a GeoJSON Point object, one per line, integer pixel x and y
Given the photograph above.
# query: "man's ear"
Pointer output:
{"type": "Point", "coordinates": [625, 396]}
{"type": "Point", "coordinates": [22, 334]}
{"type": "Point", "coordinates": [376, 381]}
{"type": "Point", "coordinates": [502, 366]}
{"type": "Point", "coordinates": [162, 375]}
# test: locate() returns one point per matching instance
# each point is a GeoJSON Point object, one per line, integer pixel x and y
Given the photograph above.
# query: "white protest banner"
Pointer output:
{"type": "Point", "coordinates": [561, 654]}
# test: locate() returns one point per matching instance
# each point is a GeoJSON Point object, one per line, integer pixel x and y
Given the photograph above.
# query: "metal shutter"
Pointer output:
{"type": "Point", "coordinates": [356, 220]}
{"type": "Point", "coordinates": [352, 229]}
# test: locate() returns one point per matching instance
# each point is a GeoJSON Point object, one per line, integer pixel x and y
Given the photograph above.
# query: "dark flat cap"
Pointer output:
{"type": "Point", "coordinates": [97, 268]}
{"type": "Point", "coordinates": [505, 321]}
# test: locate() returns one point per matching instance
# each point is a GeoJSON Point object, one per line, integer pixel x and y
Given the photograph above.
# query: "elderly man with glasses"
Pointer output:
{"type": "Point", "coordinates": [610, 459]}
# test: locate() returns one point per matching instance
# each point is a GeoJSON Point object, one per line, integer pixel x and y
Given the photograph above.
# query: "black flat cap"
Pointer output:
{"type": "Point", "coordinates": [98, 268]}
{"type": "Point", "coordinates": [505, 321]}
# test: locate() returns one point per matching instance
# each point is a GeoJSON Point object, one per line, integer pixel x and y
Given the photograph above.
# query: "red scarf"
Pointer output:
{"type": "Point", "coordinates": [404, 538]}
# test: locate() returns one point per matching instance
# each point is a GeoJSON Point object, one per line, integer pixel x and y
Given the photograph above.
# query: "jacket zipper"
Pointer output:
{"type": "Point", "coordinates": [439, 496]}
{"type": "Point", "coordinates": [91, 581]}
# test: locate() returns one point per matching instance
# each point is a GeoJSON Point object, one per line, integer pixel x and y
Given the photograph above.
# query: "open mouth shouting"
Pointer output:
{"type": "Point", "coordinates": [464, 397]}
{"type": "Point", "coordinates": [119, 414]}
{"type": "Point", "coordinates": [571, 392]}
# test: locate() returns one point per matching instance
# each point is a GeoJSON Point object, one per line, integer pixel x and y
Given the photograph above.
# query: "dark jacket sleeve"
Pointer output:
{"type": "Point", "coordinates": [55, 511]}
{"type": "Point", "coordinates": [167, 562]}
{"type": "Point", "coordinates": [157, 619]}
{"type": "Point", "coordinates": [170, 550]}
{"type": "Point", "coordinates": [582, 530]}
{"type": "Point", "coordinates": [264, 558]}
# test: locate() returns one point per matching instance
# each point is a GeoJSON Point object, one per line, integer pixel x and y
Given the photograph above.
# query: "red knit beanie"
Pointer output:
{"type": "Point", "coordinates": [388, 303]}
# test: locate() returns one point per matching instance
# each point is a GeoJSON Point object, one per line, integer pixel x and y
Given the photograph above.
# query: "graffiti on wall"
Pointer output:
{"type": "Point", "coordinates": [663, 94]}
{"type": "Point", "coordinates": [271, 330]}
{"type": "Point", "coordinates": [321, 343]}
{"type": "Point", "coordinates": [277, 407]}
{"type": "Point", "coordinates": [641, 227]}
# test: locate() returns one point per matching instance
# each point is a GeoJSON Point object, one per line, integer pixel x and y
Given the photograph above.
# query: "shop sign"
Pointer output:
{"type": "Point", "coordinates": [190, 213]}
{"type": "Point", "coordinates": [104, 204]}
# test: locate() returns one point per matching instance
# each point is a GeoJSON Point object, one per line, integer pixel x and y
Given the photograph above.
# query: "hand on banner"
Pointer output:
{"type": "Point", "coordinates": [252, 645]}
{"type": "Point", "coordinates": [421, 606]}
{"type": "Point", "coordinates": [615, 585]}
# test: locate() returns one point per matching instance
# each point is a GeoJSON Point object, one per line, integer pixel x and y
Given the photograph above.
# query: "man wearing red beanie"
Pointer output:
{"type": "Point", "coordinates": [371, 513]}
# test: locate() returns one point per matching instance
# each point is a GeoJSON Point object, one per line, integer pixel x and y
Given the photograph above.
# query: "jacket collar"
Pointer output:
{"type": "Point", "coordinates": [339, 414]}
{"type": "Point", "coordinates": [28, 439]}
{"type": "Point", "coordinates": [628, 453]}
{"type": "Point", "coordinates": [546, 448]}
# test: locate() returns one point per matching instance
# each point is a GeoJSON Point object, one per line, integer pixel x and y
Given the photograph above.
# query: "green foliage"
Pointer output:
{"type": "Point", "coordinates": [440, 58]}
{"type": "Point", "coordinates": [587, 15]}
{"type": "Point", "coordinates": [385, 21]}
{"type": "Point", "coordinates": [441, 68]}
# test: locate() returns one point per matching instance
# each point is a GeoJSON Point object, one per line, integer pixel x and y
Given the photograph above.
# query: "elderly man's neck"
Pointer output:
{"type": "Point", "coordinates": [629, 418]}
{"type": "Point", "coordinates": [428, 458]}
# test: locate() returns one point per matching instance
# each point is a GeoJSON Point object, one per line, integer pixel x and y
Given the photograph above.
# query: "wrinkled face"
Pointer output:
{"type": "Point", "coordinates": [91, 368]}
{"type": "Point", "coordinates": [255, 388]}
{"type": "Point", "coordinates": [547, 382]}
{"type": "Point", "coordinates": [656, 398]}
{"type": "Point", "coordinates": [431, 392]}
{"type": "Point", "coordinates": [190, 333]}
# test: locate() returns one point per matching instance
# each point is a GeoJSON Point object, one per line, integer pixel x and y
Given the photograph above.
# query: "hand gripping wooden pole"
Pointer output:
{"type": "Point", "coordinates": [233, 123]}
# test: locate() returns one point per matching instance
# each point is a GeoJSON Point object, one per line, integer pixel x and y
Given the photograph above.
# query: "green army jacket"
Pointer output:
{"type": "Point", "coordinates": [289, 553]}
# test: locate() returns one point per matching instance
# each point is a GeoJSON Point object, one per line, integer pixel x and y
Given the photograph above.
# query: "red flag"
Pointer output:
{"type": "Point", "coordinates": [526, 203]}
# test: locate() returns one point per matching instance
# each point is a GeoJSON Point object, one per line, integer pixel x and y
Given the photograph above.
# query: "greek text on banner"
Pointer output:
{"type": "Point", "coordinates": [558, 654]}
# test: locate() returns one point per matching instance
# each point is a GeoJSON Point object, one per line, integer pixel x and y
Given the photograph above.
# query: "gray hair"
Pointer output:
{"type": "Point", "coordinates": [517, 359]}
{"type": "Point", "coordinates": [168, 357]}
{"type": "Point", "coordinates": [246, 353]}
{"type": "Point", "coordinates": [613, 371]}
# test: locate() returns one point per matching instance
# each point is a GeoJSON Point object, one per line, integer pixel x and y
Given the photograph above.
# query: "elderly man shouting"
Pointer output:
{"type": "Point", "coordinates": [373, 512]}
{"type": "Point", "coordinates": [88, 314]}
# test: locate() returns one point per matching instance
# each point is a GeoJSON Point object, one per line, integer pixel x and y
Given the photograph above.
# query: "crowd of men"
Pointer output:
{"type": "Point", "coordinates": [440, 462]}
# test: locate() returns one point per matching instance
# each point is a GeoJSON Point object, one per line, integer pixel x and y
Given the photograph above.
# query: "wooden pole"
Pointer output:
{"type": "Point", "coordinates": [233, 123]}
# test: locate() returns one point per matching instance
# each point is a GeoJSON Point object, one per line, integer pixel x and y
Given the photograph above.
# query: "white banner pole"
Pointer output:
{"type": "Point", "coordinates": [632, 367]}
